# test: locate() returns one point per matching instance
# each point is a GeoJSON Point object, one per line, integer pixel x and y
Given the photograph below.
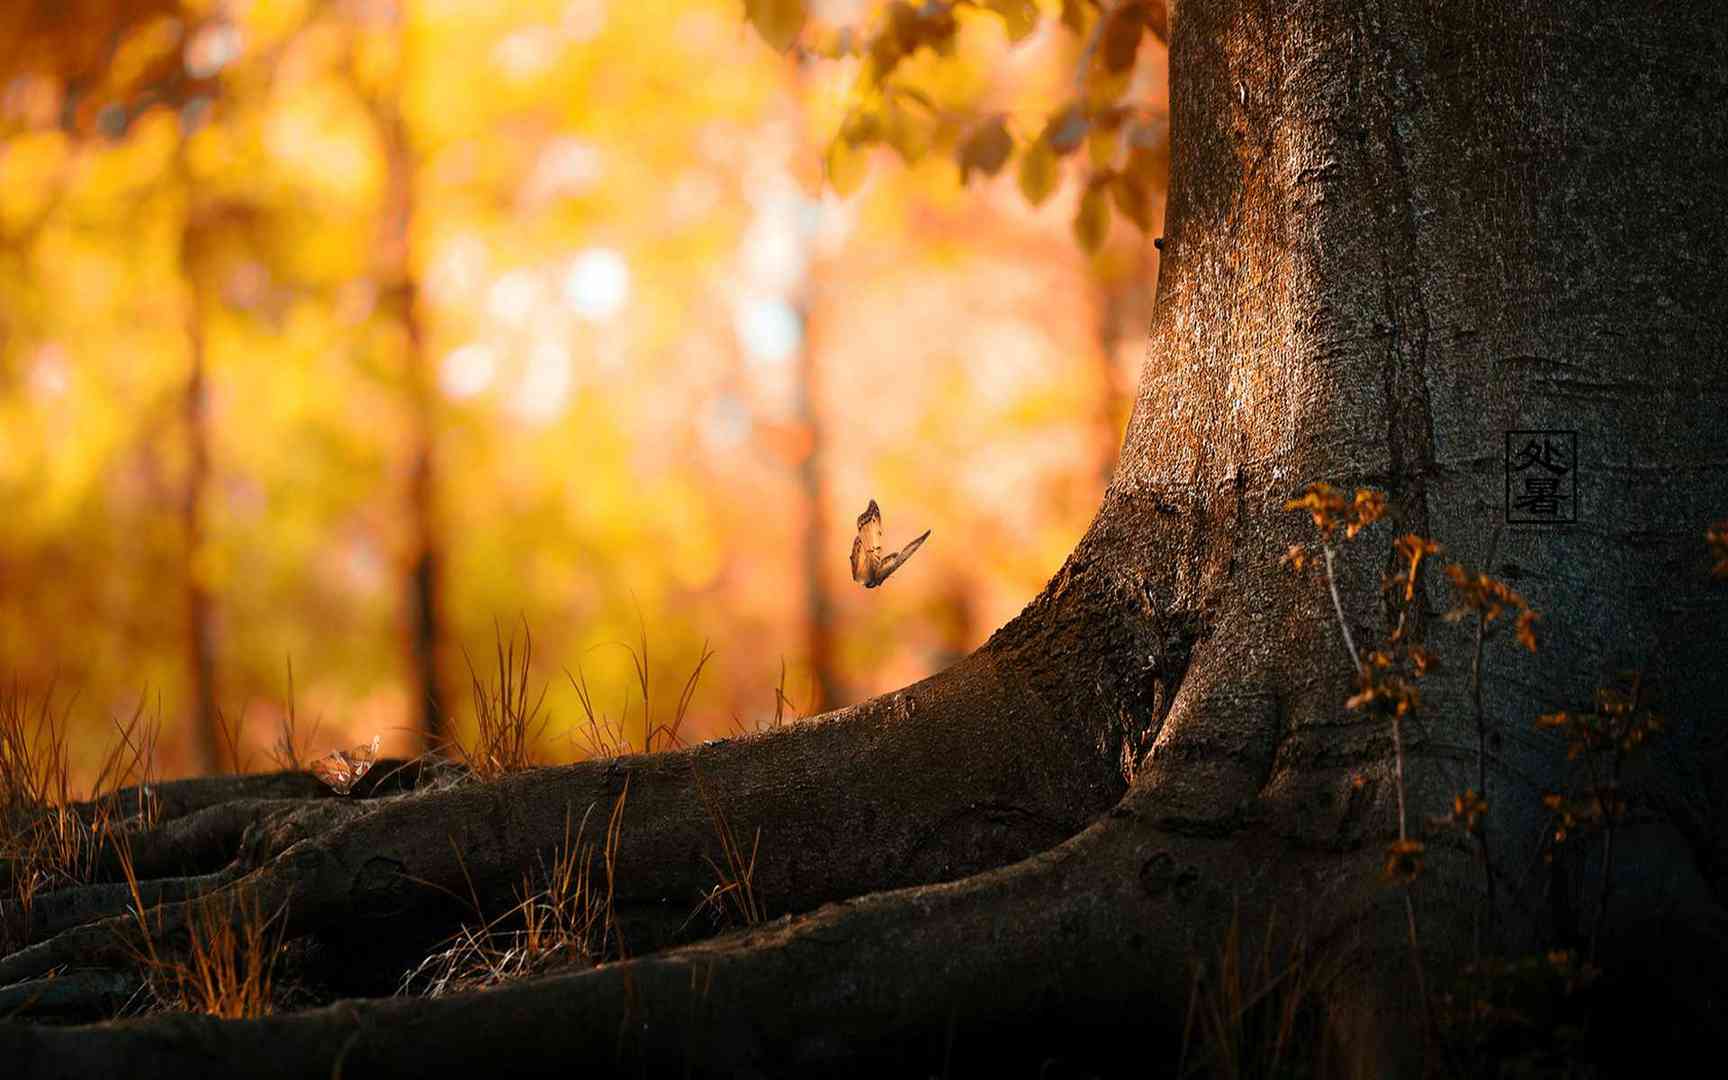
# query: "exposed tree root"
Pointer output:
{"type": "Point", "coordinates": [986, 970]}
{"type": "Point", "coordinates": [959, 773]}
{"type": "Point", "coordinates": [64, 909]}
{"type": "Point", "coordinates": [169, 799]}
{"type": "Point", "coordinates": [79, 995]}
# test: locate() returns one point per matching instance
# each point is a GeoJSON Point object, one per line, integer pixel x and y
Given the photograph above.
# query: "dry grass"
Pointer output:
{"type": "Point", "coordinates": [1258, 1012]}
{"type": "Point", "coordinates": [507, 718]}
{"type": "Point", "coordinates": [782, 704]}
{"type": "Point", "coordinates": [230, 972]}
{"type": "Point", "coordinates": [601, 736]}
{"type": "Point", "coordinates": [669, 736]}
{"type": "Point", "coordinates": [34, 765]}
{"type": "Point", "coordinates": [227, 968]}
{"type": "Point", "coordinates": [45, 842]}
{"type": "Point", "coordinates": [563, 918]}
{"type": "Point", "coordinates": [733, 898]}
{"type": "Point", "coordinates": [290, 752]}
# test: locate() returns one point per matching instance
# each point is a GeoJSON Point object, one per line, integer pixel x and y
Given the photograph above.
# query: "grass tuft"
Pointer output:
{"type": "Point", "coordinates": [563, 918]}
{"type": "Point", "coordinates": [227, 967]}
{"type": "Point", "coordinates": [733, 898]}
{"type": "Point", "coordinates": [601, 736]}
{"type": "Point", "coordinates": [1258, 1012]}
{"type": "Point", "coordinates": [47, 841]}
{"type": "Point", "coordinates": [508, 719]}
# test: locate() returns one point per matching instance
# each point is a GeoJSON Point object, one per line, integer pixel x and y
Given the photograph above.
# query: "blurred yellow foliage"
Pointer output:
{"type": "Point", "coordinates": [655, 360]}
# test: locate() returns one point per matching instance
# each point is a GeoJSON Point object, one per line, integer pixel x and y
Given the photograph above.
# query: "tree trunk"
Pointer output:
{"type": "Point", "coordinates": [809, 414]}
{"type": "Point", "coordinates": [1394, 234]}
{"type": "Point", "coordinates": [401, 288]}
{"type": "Point", "coordinates": [200, 622]}
{"type": "Point", "coordinates": [813, 487]}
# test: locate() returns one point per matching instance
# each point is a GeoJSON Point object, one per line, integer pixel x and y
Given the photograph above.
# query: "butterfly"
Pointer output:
{"type": "Point", "coordinates": [870, 567]}
{"type": "Point", "coordinates": [342, 769]}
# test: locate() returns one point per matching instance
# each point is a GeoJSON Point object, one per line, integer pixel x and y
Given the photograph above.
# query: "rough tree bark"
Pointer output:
{"type": "Point", "coordinates": [1395, 232]}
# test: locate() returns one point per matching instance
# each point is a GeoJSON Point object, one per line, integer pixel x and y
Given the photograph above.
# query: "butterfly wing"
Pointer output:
{"type": "Point", "coordinates": [361, 758]}
{"type": "Point", "coordinates": [335, 770]}
{"type": "Point", "coordinates": [867, 547]}
{"type": "Point", "coordinates": [341, 770]}
{"type": "Point", "coordinates": [898, 559]}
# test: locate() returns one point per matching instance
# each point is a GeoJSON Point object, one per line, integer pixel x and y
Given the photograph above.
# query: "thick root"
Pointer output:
{"type": "Point", "coordinates": [959, 773]}
{"type": "Point", "coordinates": [1091, 938]}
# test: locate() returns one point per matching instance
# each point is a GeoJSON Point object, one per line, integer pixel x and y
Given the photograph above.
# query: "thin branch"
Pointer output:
{"type": "Point", "coordinates": [1338, 606]}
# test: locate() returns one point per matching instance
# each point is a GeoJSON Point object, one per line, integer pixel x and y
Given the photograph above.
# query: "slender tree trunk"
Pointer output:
{"type": "Point", "coordinates": [1395, 233]}
{"type": "Point", "coordinates": [200, 605]}
{"type": "Point", "coordinates": [817, 550]}
{"type": "Point", "coordinates": [425, 589]}
{"type": "Point", "coordinates": [812, 472]}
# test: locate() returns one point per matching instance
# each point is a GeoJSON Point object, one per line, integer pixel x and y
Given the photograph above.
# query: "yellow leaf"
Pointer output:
{"type": "Point", "coordinates": [34, 162]}
{"type": "Point", "coordinates": [1132, 201]}
{"type": "Point", "coordinates": [1037, 172]}
{"type": "Point", "coordinates": [1020, 16]}
{"type": "Point", "coordinates": [143, 50]}
{"type": "Point", "coordinates": [1104, 87]}
{"type": "Point", "coordinates": [909, 133]}
{"type": "Point", "coordinates": [861, 129]}
{"type": "Point", "coordinates": [885, 54]}
{"type": "Point", "coordinates": [845, 166]}
{"type": "Point", "coordinates": [1092, 221]}
{"type": "Point", "coordinates": [778, 21]}
{"type": "Point", "coordinates": [1065, 131]}
{"type": "Point", "coordinates": [1101, 147]}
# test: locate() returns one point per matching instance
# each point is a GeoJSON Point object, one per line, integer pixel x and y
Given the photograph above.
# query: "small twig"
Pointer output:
{"type": "Point", "coordinates": [1610, 807]}
{"type": "Point", "coordinates": [1338, 606]}
{"type": "Point", "coordinates": [1482, 780]}
{"type": "Point", "coordinates": [1398, 775]}
{"type": "Point", "coordinates": [1482, 756]}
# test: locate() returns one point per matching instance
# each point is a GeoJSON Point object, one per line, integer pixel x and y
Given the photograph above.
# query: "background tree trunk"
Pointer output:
{"type": "Point", "coordinates": [205, 741]}
{"type": "Point", "coordinates": [809, 413]}
{"type": "Point", "coordinates": [1393, 235]}
{"type": "Point", "coordinates": [429, 680]}
{"type": "Point", "coordinates": [817, 548]}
